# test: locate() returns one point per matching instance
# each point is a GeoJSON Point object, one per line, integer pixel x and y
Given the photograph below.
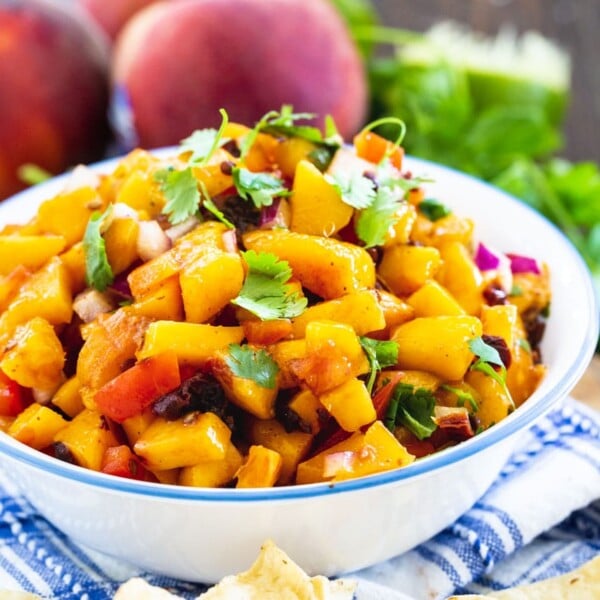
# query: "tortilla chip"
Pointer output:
{"type": "Point", "coordinates": [274, 576]}
{"type": "Point", "coordinates": [139, 589]}
{"type": "Point", "coordinates": [581, 584]}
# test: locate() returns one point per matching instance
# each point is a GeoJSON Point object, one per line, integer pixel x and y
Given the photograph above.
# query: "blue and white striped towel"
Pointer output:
{"type": "Point", "coordinates": [539, 519]}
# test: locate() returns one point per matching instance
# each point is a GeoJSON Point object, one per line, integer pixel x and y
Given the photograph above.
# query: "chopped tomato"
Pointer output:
{"type": "Point", "coordinates": [132, 391]}
{"type": "Point", "coordinates": [14, 398]}
{"type": "Point", "coordinates": [373, 147]}
{"type": "Point", "coordinates": [122, 462]}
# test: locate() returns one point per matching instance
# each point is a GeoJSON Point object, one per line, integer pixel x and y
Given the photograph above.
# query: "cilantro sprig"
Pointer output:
{"type": "Point", "coordinates": [433, 209]}
{"type": "Point", "coordinates": [265, 292]}
{"type": "Point", "coordinates": [413, 408]}
{"type": "Point", "coordinates": [181, 191]}
{"type": "Point", "coordinates": [463, 397]}
{"type": "Point", "coordinates": [380, 354]}
{"type": "Point", "coordinates": [487, 358]}
{"type": "Point", "coordinates": [354, 188]}
{"type": "Point", "coordinates": [374, 222]}
{"type": "Point", "coordinates": [261, 188]}
{"type": "Point", "coordinates": [180, 186]}
{"type": "Point", "coordinates": [250, 363]}
{"type": "Point", "coordinates": [283, 123]}
{"type": "Point", "coordinates": [98, 272]}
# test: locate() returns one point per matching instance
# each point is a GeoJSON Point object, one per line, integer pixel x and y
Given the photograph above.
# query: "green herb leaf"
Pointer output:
{"type": "Point", "coordinates": [516, 290]}
{"type": "Point", "coordinates": [261, 188]}
{"type": "Point", "coordinates": [374, 222]}
{"type": "Point", "coordinates": [212, 208]}
{"type": "Point", "coordinates": [463, 397]}
{"type": "Point", "coordinates": [181, 191]}
{"type": "Point", "coordinates": [265, 293]}
{"type": "Point", "coordinates": [412, 408]}
{"type": "Point", "coordinates": [380, 354]}
{"type": "Point", "coordinates": [283, 123]}
{"type": "Point", "coordinates": [203, 142]}
{"type": "Point", "coordinates": [486, 357]}
{"type": "Point", "coordinates": [485, 352]}
{"type": "Point", "coordinates": [32, 174]}
{"type": "Point", "coordinates": [355, 189]}
{"type": "Point", "coordinates": [98, 272]}
{"type": "Point", "coordinates": [433, 209]}
{"type": "Point", "coordinates": [524, 344]}
{"type": "Point", "coordinates": [256, 365]}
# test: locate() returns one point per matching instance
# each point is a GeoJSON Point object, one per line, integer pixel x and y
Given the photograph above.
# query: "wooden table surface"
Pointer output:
{"type": "Point", "coordinates": [572, 23]}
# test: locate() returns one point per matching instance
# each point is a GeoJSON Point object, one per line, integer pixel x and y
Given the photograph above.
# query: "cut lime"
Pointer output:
{"type": "Point", "coordinates": [504, 70]}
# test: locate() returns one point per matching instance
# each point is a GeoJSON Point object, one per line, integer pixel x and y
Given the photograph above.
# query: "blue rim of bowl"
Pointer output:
{"type": "Point", "coordinates": [513, 424]}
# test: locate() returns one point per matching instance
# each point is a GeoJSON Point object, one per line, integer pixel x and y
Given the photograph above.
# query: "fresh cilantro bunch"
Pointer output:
{"type": "Point", "coordinates": [502, 123]}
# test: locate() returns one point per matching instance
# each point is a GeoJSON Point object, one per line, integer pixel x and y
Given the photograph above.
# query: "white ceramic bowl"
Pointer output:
{"type": "Point", "coordinates": [204, 534]}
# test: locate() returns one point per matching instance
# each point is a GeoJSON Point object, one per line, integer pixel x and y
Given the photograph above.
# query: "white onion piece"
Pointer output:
{"type": "Point", "coordinates": [120, 210]}
{"type": "Point", "coordinates": [175, 232]}
{"type": "Point", "coordinates": [152, 241]}
{"type": "Point", "coordinates": [44, 396]}
{"type": "Point", "coordinates": [81, 176]}
{"type": "Point", "coordinates": [91, 303]}
{"type": "Point", "coordinates": [337, 462]}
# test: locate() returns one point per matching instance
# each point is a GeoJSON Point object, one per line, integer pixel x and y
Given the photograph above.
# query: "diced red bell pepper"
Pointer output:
{"type": "Point", "coordinates": [132, 391]}
{"type": "Point", "coordinates": [122, 462]}
{"type": "Point", "coordinates": [14, 398]}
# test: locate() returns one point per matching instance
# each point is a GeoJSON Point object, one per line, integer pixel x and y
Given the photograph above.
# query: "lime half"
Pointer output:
{"type": "Point", "coordinates": [506, 69]}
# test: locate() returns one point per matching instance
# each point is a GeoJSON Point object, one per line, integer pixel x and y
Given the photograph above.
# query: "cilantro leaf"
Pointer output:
{"type": "Point", "coordinates": [463, 397]}
{"type": "Point", "coordinates": [355, 189]}
{"type": "Point", "coordinates": [181, 191]}
{"type": "Point", "coordinates": [283, 122]}
{"type": "Point", "coordinates": [203, 142]}
{"type": "Point", "coordinates": [413, 409]}
{"type": "Point", "coordinates": [388, 176]}
{"type": "Point", "coordinates": [98, 272]}
{"type": "Point", "coordinates": [213, 209]}
{"type": "Point", "coordinates": [433, 209]}
{"type": "Point", "coordinates": [374, 222]}
{"type": "Point", "coordinates": [256, 365]}
{"type": "Point", "coordinates": [380, 354]}
{"type": "Point", "coordinates": [486, 357]}
{"type": "Point", "coordinates": [265, 293]}
{"type": "Point", "coordinates": [485, 352]}
{"type": "Point", "coordinates": [261, 188]}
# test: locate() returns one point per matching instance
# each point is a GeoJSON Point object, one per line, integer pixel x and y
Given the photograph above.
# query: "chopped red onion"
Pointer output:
{"type": "Point", "coordinates": [120, 285]}
{"type": "Point", "coordinates": [486, 259]}
{"type": "Point", "coordinates": [276, 215]}
{"type": "Point", "coordinates": [230, 241]}
{"type": "Point", "coordinates": [524, 264]}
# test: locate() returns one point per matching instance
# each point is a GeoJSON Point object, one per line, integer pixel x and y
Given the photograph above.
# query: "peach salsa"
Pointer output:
{"type": "Point", "coordinates": [262, 306]}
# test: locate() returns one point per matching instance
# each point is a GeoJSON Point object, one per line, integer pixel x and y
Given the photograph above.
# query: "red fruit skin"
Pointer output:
{"type": "Point", "coordinates": [53, 88]}
{"type": "Point", "coordinates": [112, 15]}
{"type": "Point", "coordinates": [177, 63]}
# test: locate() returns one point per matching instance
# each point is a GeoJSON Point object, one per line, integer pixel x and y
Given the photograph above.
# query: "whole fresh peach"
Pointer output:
{"type": "Point", "coordinates": [53, 88]}
{"type": "Point", "coordinates": [111, 15]}
{"type": "Point", "coordinates": [177, 62]}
